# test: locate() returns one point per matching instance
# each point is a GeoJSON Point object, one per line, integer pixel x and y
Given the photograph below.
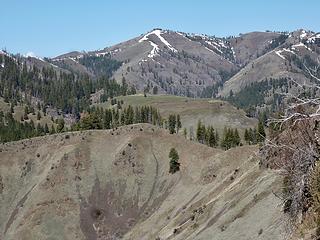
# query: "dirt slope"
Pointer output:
{"type": "Point", "coordinates": [115, 184]}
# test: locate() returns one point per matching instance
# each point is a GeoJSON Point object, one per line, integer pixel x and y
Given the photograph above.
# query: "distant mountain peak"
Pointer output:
{"type": "Point", "coordinates": [155, 48]}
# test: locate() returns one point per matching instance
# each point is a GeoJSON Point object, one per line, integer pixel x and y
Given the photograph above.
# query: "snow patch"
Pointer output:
{"type": "Point", "coordinates": [33, 55]}
{"type": "Point", "coordinates": [70, 58]}
{"type": "Point", "coordinates": [214, 45]}
{"type": "Point", "coordinates": [233, 53]}
{"type": "Point", "coordinates": [314, 38]}
{"type": "Point", "coordinates": [210, 50]}
{"type": "Point", "coordinates": [54, 65]}
{"type": "Point", "coordinates": [303, 34]}
{"type": "Point", "coordinates": [112, 52]}
{"type": "Point", "coordinates": [279, 52]}
{"type": "Point", "coordinates": [158, 32]}
{"type": "Point", "coordinates": [183, 35]}
{"type": "Point", "coordinates": [154, 50]}
{"type": "Point", "coordinates": [4, 53]}
{"type": "Point", "coordinates": [101, 54]}
{"type": "Point", "coordinates": [293, 47]}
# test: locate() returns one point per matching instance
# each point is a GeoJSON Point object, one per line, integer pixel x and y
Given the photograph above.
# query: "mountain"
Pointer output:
{"type": "Point", "coordinates": [262, 65]}
{"type": "Point", "coordinates": [291, 59]}
{"type": "Point", "coordinates": [175, 62]}
{"type": "Point", "coordinates": [200, 65]}
{"type": "Point", "coordinates": [116, 184]}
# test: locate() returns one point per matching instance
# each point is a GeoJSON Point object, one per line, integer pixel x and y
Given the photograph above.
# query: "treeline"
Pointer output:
{"type": "Point", "coordinates": [68, 92]}
{"type": "Point", "coordinates": [207, 135]}
{"type": "Point", "coordinates": [230, 137]}
{"type": "Point", "coordinates": [13, 130]}
{"type": "Point", "coordinates": [255, 94]}
{"type": "Point", "coordinates": [98, 118]}
{"type": "Point", "coordinates": [173, 123]}
{"type": "Point", "coordinates": [94, 118]}
{"type": "Point", "coordinates": [210, 136]}
{"type": "Point", "coordinates": [255, 135]}
{"type": "Point", "coordinates": [261, 94]}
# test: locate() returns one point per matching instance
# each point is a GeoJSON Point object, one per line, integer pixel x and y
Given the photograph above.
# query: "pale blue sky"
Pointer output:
{"type": "Point", "coordinates": [49, 28]}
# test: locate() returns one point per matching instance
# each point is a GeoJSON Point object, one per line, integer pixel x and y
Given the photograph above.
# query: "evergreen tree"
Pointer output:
{"type": "Point", "coordinates": [60, 125]}
{"type": "Point", "coordinates": [236, 138]}
{"type": "Point", "coordinates": [172, 123]}
{"type": "Point", "coordinates": [211, 139]}
{"type": "Point", "coordinates": [201, 132]}
{"type": "Point", "coordinates": [179, 125]}
{"type": "Point", "coordinates": [174, 161]}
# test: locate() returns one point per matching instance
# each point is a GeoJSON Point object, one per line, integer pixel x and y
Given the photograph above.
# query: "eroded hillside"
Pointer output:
{"type": "Point", "coordinates": [116, 184]}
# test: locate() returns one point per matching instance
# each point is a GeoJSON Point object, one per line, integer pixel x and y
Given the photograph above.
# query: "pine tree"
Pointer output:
{"type": "Point", "coordinates": [236, 137]}
{"type": "Point", "coordinates": [201, 132]}
{"type": "Point", "coordinates": [210, 137]}
{"type": "Point", "coordinates": [172, 123]}
{"type": "Point", "coordinates": [60, 125]}
{"type": "Point", "coordinates": [174, 161]}
{"type": "Point", "coordinates": [179, 125]}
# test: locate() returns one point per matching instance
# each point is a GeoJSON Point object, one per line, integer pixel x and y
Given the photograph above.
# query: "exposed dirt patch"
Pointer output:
{"type": "Point", "coordinates": [108, 214]}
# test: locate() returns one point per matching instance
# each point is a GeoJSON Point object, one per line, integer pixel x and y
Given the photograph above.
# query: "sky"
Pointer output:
{"type": "Point", "coordinates": [47, 28]}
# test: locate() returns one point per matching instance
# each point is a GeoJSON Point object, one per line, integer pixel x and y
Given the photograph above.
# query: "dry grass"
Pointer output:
{"type": "Point", "coordinates": [211, 112]}
{"type": "Point", "coordinates": [129, 166]}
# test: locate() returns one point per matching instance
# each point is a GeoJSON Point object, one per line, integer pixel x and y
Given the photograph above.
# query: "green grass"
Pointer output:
{"type": "Point", "coordinates": [19, 111]}
{"type": "Point", "coordinates": [210, 111]}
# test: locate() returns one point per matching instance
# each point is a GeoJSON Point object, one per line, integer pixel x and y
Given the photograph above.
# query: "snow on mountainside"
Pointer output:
{"type": "Point", "coordinates": [290, 59]}
{"type": "Point", "coordinates": [196, 65]}
{"type": "Point", "coordinates": [173, 61]}
{"type": "Point", "coordinates": [156, 32]}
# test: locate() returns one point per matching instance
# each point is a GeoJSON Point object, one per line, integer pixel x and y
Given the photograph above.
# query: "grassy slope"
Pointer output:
{"type": "Point", "coordinates": [211, 112]}
{"type": "Point", "coordinates": [19, 111]}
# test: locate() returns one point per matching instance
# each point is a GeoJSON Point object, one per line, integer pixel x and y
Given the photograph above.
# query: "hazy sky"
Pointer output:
{"type": "Point", "coordinates": [52, 27]}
